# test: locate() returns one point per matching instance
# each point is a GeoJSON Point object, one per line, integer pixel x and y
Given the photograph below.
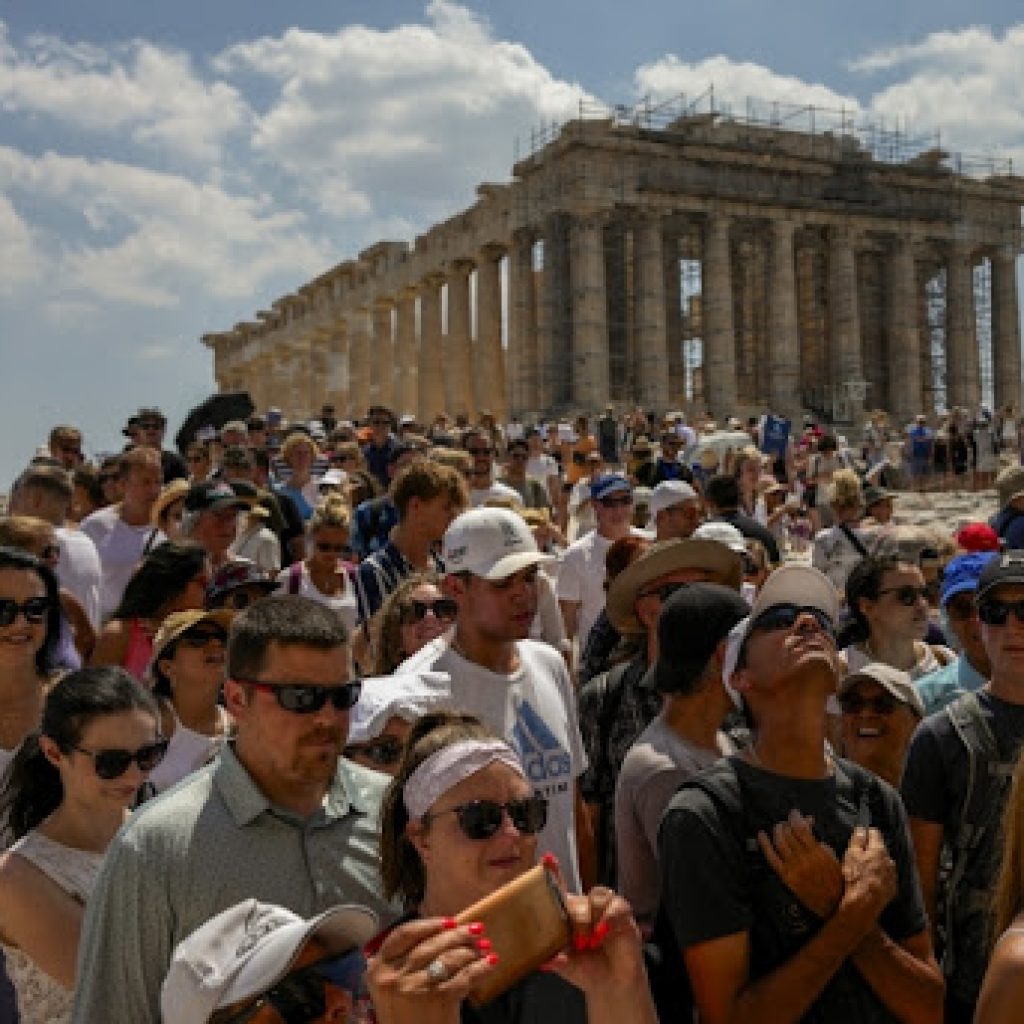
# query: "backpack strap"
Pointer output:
{"type": "Point", "coordinates": [854, 540]}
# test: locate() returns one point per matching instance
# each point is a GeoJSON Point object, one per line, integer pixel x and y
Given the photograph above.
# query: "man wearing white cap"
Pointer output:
{"type": "Point", "coordinates": [788, 880]}
{"type": "Point", "coordinates": [675, 510]}
{"type": "Point", "coordinates": [519, 687]}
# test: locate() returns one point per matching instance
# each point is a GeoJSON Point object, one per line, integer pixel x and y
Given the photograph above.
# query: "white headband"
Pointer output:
{"type": "Point", "coordinates": [448, 766]}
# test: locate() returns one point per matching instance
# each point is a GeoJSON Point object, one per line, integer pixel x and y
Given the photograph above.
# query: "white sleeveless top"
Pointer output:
{"type": "Point", "coordinates": [41, 1000]}
{"type": "Point", "coordinates": [187, 752]}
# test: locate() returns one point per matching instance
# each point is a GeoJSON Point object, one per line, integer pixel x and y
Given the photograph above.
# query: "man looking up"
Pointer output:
{"type": "Point", "coordinates": [120, 532]}
{"type": "Point", "coordinates": [787, 876]}
{"type": "Point", "coordinates": [519, 687]}
{"type": "Point", "coordinates": [276, 816]}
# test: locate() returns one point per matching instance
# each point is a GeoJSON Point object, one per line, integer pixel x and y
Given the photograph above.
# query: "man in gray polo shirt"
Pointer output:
{"type": "Point", "coordinates": [275, 817]}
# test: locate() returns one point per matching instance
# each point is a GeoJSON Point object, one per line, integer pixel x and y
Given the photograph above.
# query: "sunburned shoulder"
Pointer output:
{"type": "Point", "coordinates": [1002, 993]}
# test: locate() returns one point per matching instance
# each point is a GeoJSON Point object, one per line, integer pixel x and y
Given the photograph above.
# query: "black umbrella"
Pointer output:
{"type": "Point", "coordinates": [214, 412]}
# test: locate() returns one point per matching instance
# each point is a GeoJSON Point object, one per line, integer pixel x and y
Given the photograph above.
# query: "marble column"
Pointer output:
{"type": "Point", "coordinates": [589, 314]}
{"type": "Point", "coordinates": [844, 318]}
{"type": "Point", "coordinates": [430, 379]}
{"type": "Point", "coordinates": [318, 369]}
{"type": "Point", "coordinates": [674, 321]}
{"type": "Point", "coordinates": [382, 356]}
{"type": "Point", "coordinates": [1006, 358]}
{"type": "Point", "coordinates": [301, 359]}
{"type": "Point", "coordinates": [904, 333]}
{"type": "Point", "coordinates": [963, 377]}
{"type": "Point", "coordinates": [783, 329]}
{"type": "Point", "coordinates": [405, 354]}
{"type": "Point", "coordinates": [719, 336]}
{"type": "Point", "coordinates": [653, 362]}
{"type": "Point", "coordinates": [360, 332]}
{"type": "Point", "coordinates": [337, 383]}
{"type": "Point", "coordinates": [459, 346]}
{"type": "Point", "coordinates": [522, 325]}
{"type": "Point", "coordinates": [554, 320]}
{"type": "Point", "coordinates": [489, 380]}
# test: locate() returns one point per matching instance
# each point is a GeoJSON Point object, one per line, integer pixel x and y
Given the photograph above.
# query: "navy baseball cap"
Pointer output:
{"type": "Point", "coordinates": [962, 574]}
{"type": "Point", "coordinates": [609, 483]}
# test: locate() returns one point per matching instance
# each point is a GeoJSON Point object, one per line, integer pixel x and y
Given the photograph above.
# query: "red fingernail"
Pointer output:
{"type": "Point", "coordinates": [476, 928]}
{"type": "Point", "coordinates": [483, 945]}
{"type": "Point", "coordinates": [601, 932]}
{"type": "Point", "coordinates": [448, 924]}
{"type": "Point", "coordinates": [549, 860]}
{"type": "Point", "coordinates": [492, 959]}
{"type": "Point", "coordinates": [580, 942]}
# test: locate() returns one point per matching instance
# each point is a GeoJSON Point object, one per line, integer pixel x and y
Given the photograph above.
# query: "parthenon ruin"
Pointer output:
{"type": "Point", "coordinates": [703, 260]}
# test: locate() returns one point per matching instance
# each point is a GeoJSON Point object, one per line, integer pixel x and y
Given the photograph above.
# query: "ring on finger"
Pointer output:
{"type": "Point", "coordinates": [436, 971]}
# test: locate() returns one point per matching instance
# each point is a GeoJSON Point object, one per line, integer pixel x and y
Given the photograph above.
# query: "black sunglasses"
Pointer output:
{"type": "Point", "coordinates": [299, 997]}
{"type": "Point", "coordinates": [854, 704]}
{"type": "Point", "coordinates": [303, 699]}
{"type": "Point", "coordinates": [385, 751]}
{"type": "Point", "coordinates": [907, 595]}
{"type": "Point", "coordinates": [443, 608]}
{"type": "Point", "coordinates": [481, 819]}
{"type": "Point", "coordinates": [201, 637]}
{"type": "Point", "coordinates": [785, 616]}
{"type": "Point", "coordinates": [112, 764]}
{"type": "Point", "coordinates": [997, 613]}
{"type": "Point", "coordinates": [34, 610]}
{"type": "Point", "coordinates": [616, 502]}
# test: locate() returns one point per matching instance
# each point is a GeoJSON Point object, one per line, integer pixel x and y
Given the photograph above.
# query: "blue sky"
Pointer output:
{"type": "Point", "coordinates": [166, 170]}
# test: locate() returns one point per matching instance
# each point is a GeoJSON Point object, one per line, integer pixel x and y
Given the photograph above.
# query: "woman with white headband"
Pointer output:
{"type": "Point", "coordinates": [459, 821]}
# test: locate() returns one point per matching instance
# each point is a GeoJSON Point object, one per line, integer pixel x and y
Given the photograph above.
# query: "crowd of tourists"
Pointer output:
{"type": "Point", "coordinates": [623, 719]}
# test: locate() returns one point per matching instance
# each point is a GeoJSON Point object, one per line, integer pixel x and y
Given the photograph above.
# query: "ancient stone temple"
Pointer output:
{"type": "Point", "coordinates": [701, 261]}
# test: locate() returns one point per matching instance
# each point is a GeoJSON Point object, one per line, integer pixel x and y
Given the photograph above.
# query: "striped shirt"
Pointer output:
{"type": "Point", "coordinates": [379, 575]}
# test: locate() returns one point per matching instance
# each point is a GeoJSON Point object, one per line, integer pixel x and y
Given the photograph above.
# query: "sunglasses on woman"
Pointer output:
{"type": "Point", "coordinates": [443, 608]}
{"type": "Point", "coordinates": [197, 638]}
{"type": "Point", "coordinates": [301, 699]}
{"type": "Point", "coordinates": [996, 613]}
{"type": "Point", "coordinates": [907, 595]}
{"type": "Point", "coordinates": [112, 763]}
{"type": "Point", "coordinates": [300, 996]}
{"type": "Point", "coordinates": [386, 751]}
{"type": "Point", "coordinates": [481, 819]}
{"type": "Point", "coordinates": [34, 610]}
{"type": "Point", "coordinates": [784, 616]}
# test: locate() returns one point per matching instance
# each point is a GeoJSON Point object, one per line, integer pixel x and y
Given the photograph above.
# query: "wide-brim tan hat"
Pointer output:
{"type": "Point", "coordinates": [180, 622]}
{"type": "Point", "coordinates": [661, 559]}
{"type": "Point", "coordinates": [174, 491]}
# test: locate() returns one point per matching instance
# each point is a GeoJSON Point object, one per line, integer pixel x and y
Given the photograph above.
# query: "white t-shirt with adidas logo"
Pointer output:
{"type": "Point", "coordinates": [534, 709]}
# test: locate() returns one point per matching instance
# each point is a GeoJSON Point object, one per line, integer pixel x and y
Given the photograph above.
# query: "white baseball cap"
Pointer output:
{"type": "Point", "coordinates": [724, 533]}
{"type": "Point", "coordinates": [246, 950]}
{"type": "Point", "coordinates": [492, 543]}
{"type": "Point", "coordinates": [669, 493]}
{"type": "Point", "coordinates": [409, 696]}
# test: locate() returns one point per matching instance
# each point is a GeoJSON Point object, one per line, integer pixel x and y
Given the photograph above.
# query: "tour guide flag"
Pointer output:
{"type": "Point", "coordinates": [775, 436]}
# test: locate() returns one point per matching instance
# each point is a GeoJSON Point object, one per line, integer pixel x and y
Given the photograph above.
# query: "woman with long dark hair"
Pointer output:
{"type": "Point", "coordinates": [171, 578]}
{"type": "Point", "coordinates": [69, 791]}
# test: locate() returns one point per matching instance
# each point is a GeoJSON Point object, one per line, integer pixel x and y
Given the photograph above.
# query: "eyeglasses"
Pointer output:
{"type": "Point", "coordinates": [961, 606]}
{"type": "Point", "coordinates": [443, 608]}
{"type": "Point", "coordinates": [906, 595]}
{"type": "Point", "coordinates": [616, 502]}
{"type": "Point", "coordinates": [300, 996]}
{"type": "Point", "coordinates": [34, 610]}
{"type": "Point", "coordinates": [112, 764]}
{"type": "Point", "coordinates": [855, 704]}
{"type": "Point", "coordinates": [198, 638]}
{"type": "Point", "coordinates": [338, 549]}
{"type": "Point", "coordinates": [992, 613]}
{"type": "Point", "coordinates": [481, 819]}
{"type": "Point", "coordinates": [303, 699]}
{"type": "Point", "coordinates": [785, 616]}
{"type": "Point", "coordinates": [385, 751]}
{"type": "Point", "coordinates": [664, 592]}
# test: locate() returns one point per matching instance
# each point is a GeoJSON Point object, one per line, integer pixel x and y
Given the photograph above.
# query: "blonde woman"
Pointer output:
{"type": "Point", "coordinates": [324, 576]}
{"type": "Point", "coordinates": [839, 547]}
{"type": "Point", "coordinates": [299, 452]}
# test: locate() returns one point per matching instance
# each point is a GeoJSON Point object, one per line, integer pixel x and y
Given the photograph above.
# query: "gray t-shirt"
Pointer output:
{"type": "Point", "coordinates": [656, 766]}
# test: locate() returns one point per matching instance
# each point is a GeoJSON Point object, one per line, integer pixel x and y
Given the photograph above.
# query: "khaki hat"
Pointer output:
{"type": "Point", "coordinates": [659, 559]}
{"type": "Point", "coordinates": [709, 459]}
{"type": "Point", "coordinates": [892, 680]}
{"type": "Point", "coordinates": [172, 492]}
{"type": "Point", "coordinates": [180, 622]}
{"type": "Point", "coordinates": [1010, 484]}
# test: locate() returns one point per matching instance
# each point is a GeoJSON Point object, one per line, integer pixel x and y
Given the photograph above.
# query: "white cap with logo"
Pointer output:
{"type": "Point", "coordinates": [492, 543]}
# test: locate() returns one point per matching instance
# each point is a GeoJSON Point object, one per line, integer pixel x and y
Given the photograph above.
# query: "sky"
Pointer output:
{"type": "Point", "coordinates": [168, 169]}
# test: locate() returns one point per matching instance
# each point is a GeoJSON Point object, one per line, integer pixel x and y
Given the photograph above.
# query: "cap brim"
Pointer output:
{"type": "Point", "coordinates": [511, 564]}
{"type": "Point", "coordinates": [800, 585]}
{"type": "Point", "coordinates": [851, 680]}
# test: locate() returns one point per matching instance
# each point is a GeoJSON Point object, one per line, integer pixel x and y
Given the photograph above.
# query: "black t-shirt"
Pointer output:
{"type": "Point", "coordinates": [539, 998]}
{"type": "Point", "coordinates": [716, 881]}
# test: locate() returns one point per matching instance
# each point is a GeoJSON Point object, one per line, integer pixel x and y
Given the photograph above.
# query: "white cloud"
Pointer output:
{"type": "Point", "coordinates": [151, 93]}
{"type": "Point", "coordinates": [367, 120]}
{"type": "Point", "coordinates": [19, 256]}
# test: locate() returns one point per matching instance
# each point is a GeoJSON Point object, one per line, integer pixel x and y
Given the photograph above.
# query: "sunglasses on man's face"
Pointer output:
{"type": "Point", "coordinates": [301, 699]}
{"type": "Point", "coordinates": [443, 608]}
{"type": "Point", "coordinates": [385, 751]}
{"type": "Point", "coordinates": [785, 616]}
{"type": "Point", "coordinates": [855, 704]}
{"type": "Point", "coordinates": [626, 499]}
{"type": "Point", "coordinates": [112, 764]}
{"type": "Point", "coordinates": [300, 997]}
{"type": "Point", "coordinates": [34, 610]}
{"type": "Point", "coordinates": [997, 613]}
{"type": "Point", "coordinates": [907, 595]}
{"type": "Point", "coordinates": [481, 819]}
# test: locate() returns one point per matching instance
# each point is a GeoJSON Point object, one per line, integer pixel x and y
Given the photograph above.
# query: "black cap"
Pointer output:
{"type": "Point", "coordinates": [1006, 567]}
{"type": "Point", "coordinates": [693, 622]}
{"type": "Point", "coordinates": [211, 496]}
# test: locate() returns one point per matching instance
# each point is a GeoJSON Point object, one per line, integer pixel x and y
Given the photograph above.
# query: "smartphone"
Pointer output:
{"type": "Point", "coordinates": [527, 922]}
